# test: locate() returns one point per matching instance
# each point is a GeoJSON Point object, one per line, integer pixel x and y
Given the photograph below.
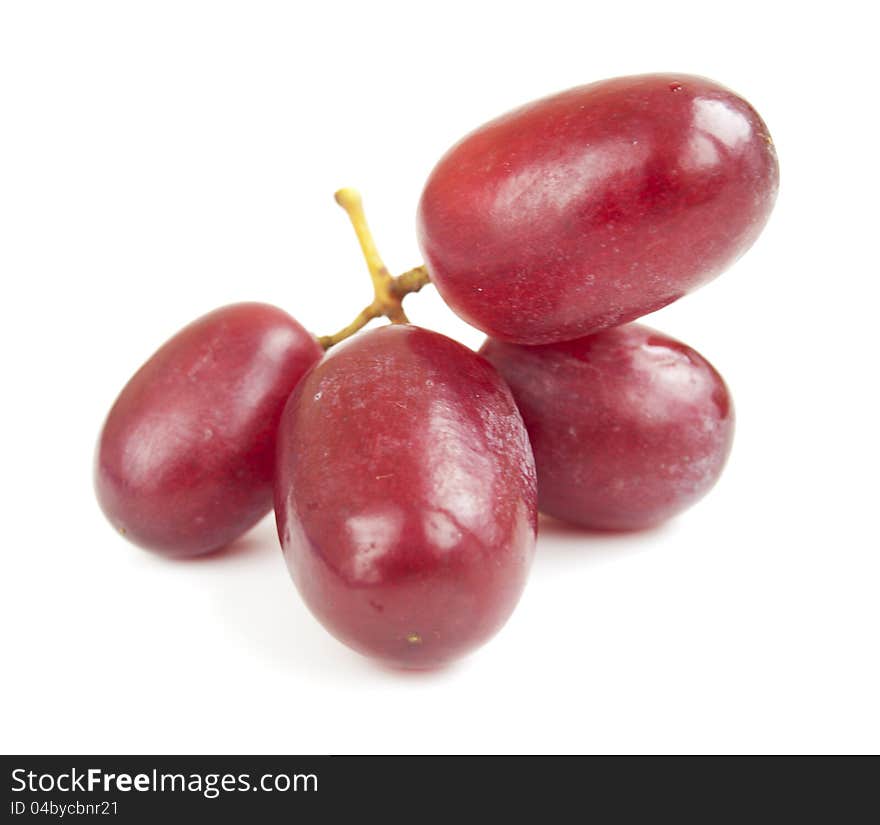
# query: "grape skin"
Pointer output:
{"type": "Point", "coordinates": [629, 426]}
{"type": "Point", "coordinates": [405, 496]}
{"type": "Point", "coordinates": [595, 206]}
{"type": "Point", "coordinates": [185, 458]}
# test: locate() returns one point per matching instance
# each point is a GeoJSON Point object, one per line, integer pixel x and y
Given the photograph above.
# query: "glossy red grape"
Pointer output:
{"type": "Point", "coordinates": [405, 496]}
{"type": "Point", "coordinates": [628, 426]}
{"type": "Point", "coordinates": [596, 206]}
{"type": "Point", "coordinates": [185, 460]}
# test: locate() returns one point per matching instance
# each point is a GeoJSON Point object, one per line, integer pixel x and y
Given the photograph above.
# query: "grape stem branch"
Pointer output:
{"type": "Point", "coordinates": [388, 291]}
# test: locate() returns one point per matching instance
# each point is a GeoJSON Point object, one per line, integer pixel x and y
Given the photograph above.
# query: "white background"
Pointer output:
{"type": "Point", "coordinates": [160, 159]}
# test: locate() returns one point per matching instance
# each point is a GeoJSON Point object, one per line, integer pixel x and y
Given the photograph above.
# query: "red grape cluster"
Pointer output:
{"type": "Point", "coordinates": [406, 470]}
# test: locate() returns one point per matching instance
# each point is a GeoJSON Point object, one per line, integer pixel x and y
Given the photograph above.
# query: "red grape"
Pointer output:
{"type": "Point", "coordinates": [186, 457]}
{"type": "Point", "coordinates": [628, 426]}
{"type": "Point", "coordinates": [405, 496]}
{"type": "Point", "coordinates": [596, 206]}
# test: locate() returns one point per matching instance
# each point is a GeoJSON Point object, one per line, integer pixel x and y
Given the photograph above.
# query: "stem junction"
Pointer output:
{"type": "Point", "coordinates": [388, 291]}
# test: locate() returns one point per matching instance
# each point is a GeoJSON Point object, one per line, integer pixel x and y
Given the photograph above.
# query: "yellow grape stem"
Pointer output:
{"type": "Point", "coordinates": [388, 291]}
